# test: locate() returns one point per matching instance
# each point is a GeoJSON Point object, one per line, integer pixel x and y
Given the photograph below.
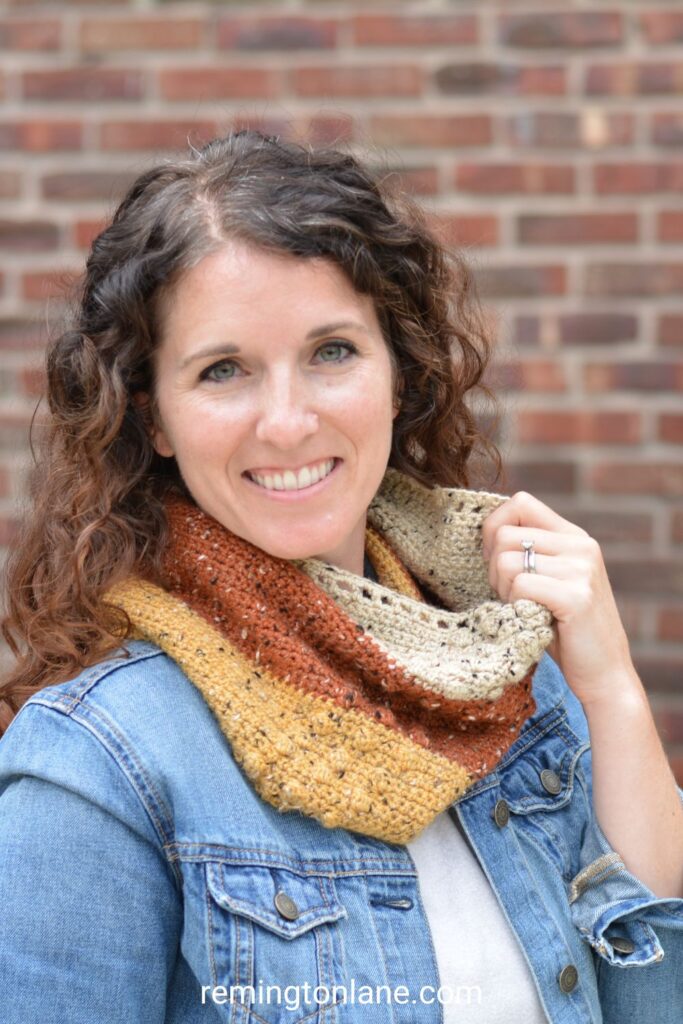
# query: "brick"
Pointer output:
{"type": "Point", "coordinates": [657, 576]}
{"type": "Point", "coordinates": [632, 279]}
{"type": "Point", "coordinates": [670, 329]}
{"type": "Point", "coordinates": [577, 228]}
{"type": "Point", "coordinates": [9, 530]}
{"type": "Point", "coordinates": [492, 78]}
{"type": "Point", "coordinates": [670, 226]}
{"type": "Point", "coordinates": [15, 421]}
{"type": "Point", "coordinates": [670, 426]}
{"type": "Point", "coordinates": [551, 330]}
{"type": "Point", "coordinates": [650, 478]}
{"type": "Point", "coordinates": [669, 723]}
{"type": "Point", "coordinates": [431, 130]}
{"type": "Point", "coordinates": [542, 477]}
{"type": "Point", "coordinates": [83, 84]}
{"type": "Point", "coordinates": [561, 31]}
{"type": "Point", "coordinates": [32, 381]}
{"type": "Point", "coordinates": [217, 83]}
{"type": "Point", "coordinates": [635, 78]}
{"type": "Point", "coordinates": [28, 235]}
{"type": "Point", "coordinates": [72, 3]}
{"type": "Point", "coordinates": [10, 184]}
{"type": "Point", "coordinates": [516, 281]}
{"type": "Point", "coordinates": [21, 335]}
{"type": "Point", "coordinates": [242, 32]}
{"type": "Point", "coordinates": [110, 35]}
{"type": "Point", "coordinates": [41, 136]}
{"type": "Point", "coordinates": [667, 129]}
{"type": "Point", "coordinates": [86, 185]}
{"type": "Point", "coordinates": [413, 30]}
{"type": "Point", "coordinates": [589, 129]}
{"type": "Point", "coordinates": [643, 375]}
{"type": "Point", "coordinates": [555, 426]}
{"type": "Point", "coordinates": [670, 627]}
{"type": "Point", "coordinates": [329, 128]}
{"type": "Point", "coordinates": [527, 375]}
{"type": "Point", "coordinates": [359, 81]}
{"type": "Point", "coordinates": [462, 229]}
{"type": "Point", "coordinates": [511, 178]}
{"type": "Point", "coordinates": [614, 527]}
{"type": "Point", "coordinates": [662, 27]}
{"type": "Point", "coordinates": [418, 180]}
{"type": "Point", "coordinates": [127, 136]}
{"type": "Point", "coordinates": [24, 34]}
{"type": "Point", "coordinates": [677, 526]}
{"type": "Point", "coordinates": [637, 178]}
{"type": "Point", "coordinates": [53, 284]}
{"type": "Point", "coordinates": [85, 231]}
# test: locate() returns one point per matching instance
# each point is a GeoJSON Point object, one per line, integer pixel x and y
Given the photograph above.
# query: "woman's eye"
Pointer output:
{"type": "Point", "coordinates": [336, 351]}
{"type": "Point", "coordinates": [224, 370]}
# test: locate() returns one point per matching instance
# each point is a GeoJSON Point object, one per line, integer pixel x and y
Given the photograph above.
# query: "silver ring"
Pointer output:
{"type": "Point", "coordinates": [529, 556]}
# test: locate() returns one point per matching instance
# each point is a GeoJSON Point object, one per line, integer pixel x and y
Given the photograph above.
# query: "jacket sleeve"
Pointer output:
{"type": "Point", "coordinates": [91, 914]}
{"type": "Point", "coordinates": [620, 917]}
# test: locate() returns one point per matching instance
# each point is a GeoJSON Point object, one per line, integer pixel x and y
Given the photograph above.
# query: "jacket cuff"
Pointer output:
{"type": "Point", "coordinates": [615, 913]}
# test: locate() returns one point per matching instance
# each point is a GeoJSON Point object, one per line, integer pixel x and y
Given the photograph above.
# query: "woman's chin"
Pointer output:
{"type": "Point", "coordinates": [294, 550]}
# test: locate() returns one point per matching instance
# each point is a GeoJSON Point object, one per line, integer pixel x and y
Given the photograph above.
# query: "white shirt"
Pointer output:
{"type": "Point", "coordinates": [477, 952]}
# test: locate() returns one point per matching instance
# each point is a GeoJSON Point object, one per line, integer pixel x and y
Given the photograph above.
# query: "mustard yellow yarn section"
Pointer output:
{"type": "Point", "coordinates": [387, 566]}
{"type": "Point", "coordinates": [301, 752]}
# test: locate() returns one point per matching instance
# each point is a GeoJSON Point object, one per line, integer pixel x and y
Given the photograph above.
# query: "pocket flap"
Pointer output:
{"type": "Point", "coordinates": [279, 900]}
{"type": "Point", "coordinates": [543, 778]}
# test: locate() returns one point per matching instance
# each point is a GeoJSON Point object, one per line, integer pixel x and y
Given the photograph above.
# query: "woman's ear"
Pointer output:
{"type": "Point", "coordinates": [156, 433]}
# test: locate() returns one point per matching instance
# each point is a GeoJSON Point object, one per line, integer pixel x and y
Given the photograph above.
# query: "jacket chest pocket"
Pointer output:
{"type": "Point", "coordinates": [274, 942]}
{"type": "Point", "coordinates": [544, 792]}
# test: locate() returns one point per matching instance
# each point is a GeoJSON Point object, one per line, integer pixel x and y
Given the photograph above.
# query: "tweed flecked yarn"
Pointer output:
{"type": "Point", "coordinates": [361, 704]}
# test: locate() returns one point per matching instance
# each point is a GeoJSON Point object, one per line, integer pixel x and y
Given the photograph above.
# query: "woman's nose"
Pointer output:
{"type": "Point", "coordinates": [285, 417]}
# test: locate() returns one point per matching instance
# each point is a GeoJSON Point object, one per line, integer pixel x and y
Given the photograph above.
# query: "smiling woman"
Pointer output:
{"type": "Point", "coordinates": [201, 351]}
{"type": "Point", "coordinates": [283, 739]}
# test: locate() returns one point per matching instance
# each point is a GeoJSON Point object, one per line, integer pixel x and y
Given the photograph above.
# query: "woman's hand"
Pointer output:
{"type": "Point", "coordinates": [590, 644]}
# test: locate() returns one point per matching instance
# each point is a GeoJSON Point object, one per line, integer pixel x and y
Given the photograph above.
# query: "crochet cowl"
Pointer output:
{"type": "Point", "coordinates": [370, 706]}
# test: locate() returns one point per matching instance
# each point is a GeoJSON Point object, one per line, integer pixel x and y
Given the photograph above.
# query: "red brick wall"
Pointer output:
{"type": "Point", "coordinates": [545, 137]}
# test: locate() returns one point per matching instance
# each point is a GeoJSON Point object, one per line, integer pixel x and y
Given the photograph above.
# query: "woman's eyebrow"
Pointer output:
{"type": "Point", "coordinates": [225, 349]}
{"type": "Point", "coordinates": [337, 325]}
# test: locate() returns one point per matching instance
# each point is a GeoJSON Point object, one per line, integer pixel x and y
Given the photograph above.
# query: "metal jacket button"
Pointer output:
{"type": "Point", "coordinates": [551, 781]}
{"type": "Point", "coordinates": [568, 978]}
{"type": "Point", "coordinates": [286, 906]}
{"type": "Point", "coordinates": [501, 813]}
{"type": "Point", "coordinates": [622, 945]}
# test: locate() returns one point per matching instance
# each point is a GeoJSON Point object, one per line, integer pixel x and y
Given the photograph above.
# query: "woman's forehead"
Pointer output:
{"type": "Point", "coordinates": [245, 285]}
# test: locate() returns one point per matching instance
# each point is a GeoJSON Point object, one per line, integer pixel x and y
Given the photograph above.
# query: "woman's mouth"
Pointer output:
{"type": "Point", "coordinates": [292, 481]}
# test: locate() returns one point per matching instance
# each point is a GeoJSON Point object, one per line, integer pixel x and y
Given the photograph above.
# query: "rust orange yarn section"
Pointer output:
{"type": "Point", "coordinates": [278, 618]}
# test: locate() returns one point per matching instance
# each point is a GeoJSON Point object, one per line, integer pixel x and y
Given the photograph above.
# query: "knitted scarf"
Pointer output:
{"type": "Point", "coordinates": [367, 705]}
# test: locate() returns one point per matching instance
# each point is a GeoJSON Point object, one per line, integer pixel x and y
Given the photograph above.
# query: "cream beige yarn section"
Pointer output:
{"type": "Point", "coordinates": [477, 647]}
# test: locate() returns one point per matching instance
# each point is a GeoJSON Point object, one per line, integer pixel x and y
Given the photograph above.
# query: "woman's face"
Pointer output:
{"type": "Point", "coordinates": [274, 393]}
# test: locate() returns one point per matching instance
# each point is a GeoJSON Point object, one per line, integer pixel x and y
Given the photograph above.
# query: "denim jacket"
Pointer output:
{"type": "Point", "coordinates": [141, 876]}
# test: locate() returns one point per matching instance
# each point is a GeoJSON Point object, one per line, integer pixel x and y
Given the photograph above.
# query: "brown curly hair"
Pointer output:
{"type": "Point", "coordinates": [97, 487]}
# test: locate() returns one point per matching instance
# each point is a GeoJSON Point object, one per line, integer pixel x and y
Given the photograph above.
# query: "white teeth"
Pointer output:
{"type": "Point", "coordinates": [290, 481]}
